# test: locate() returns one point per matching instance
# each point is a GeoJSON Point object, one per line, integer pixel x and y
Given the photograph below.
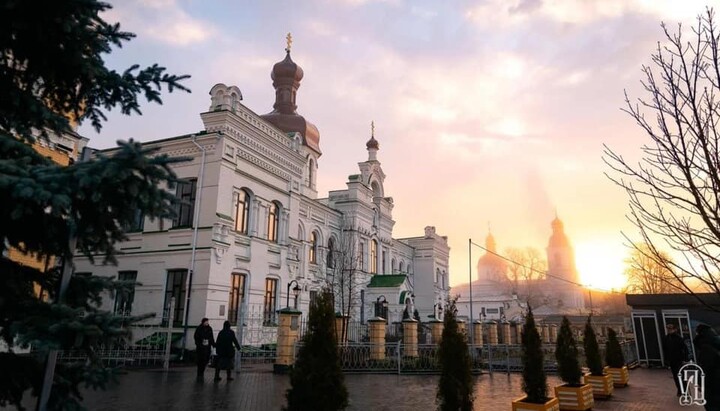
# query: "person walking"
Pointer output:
{"type": "Point", "coordinates": [707, 348]}
{"type": "Point", "coordinates": [675, 353]}
{"type": "Point", "coordinates": [204, 341]}
{"type": "Point", "coordinates": [225, 347]}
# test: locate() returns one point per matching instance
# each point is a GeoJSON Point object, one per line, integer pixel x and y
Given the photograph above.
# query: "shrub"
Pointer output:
{"type": "Point", "coordinates": [455, 387]}
{"type": "Point", "coordinates": [613, 352]}
{"type": "Point", "coordinates": [592, 351]}
{"type": "Point", "coordinates": [316, 380]}
{"type": "Point", "coordinates": [566, 354]}
{"type": "Point", "coordinates": [534, 380]}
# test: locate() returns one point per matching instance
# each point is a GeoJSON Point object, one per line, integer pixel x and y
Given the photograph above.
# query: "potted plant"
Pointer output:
{"type": "Point", "coordinates": [601, 381]}
{"type": "Point", "coordinates": [574, 394]}
{"type": "Point", "coordinates": [534, 380]}
{"type": "Point", "coordinates": [615, 361]}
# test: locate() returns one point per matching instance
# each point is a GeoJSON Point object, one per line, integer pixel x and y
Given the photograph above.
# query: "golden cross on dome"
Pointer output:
{"type": "Point", "coordinates": [289, 42]}
{"type": "Point", "coordinates": [372, 128]}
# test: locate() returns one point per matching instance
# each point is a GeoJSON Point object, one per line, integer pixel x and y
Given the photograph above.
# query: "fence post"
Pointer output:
{"type": "Point", "coordinates": [239, 332]}
{"type": "Point", "coordinates": [377, 338]}
{"type": "Point", "coordinates": [168, 341]}
{"type": "Point", "coordinates": [399, 355]}
{"type": "Point", "coordinates": [288, 332]}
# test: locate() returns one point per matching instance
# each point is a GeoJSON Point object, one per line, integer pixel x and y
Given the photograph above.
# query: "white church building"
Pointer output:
{"type": "Point", "coordinates": [252, 233]}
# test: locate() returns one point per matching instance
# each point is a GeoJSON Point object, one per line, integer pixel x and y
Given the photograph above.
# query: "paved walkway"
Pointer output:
{"type": "Point", "coordinates": [259, 389]}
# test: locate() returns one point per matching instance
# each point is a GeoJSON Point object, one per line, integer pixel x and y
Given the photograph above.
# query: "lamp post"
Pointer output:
{"type": "Point", "coordinates": [381, 306]}
{"type": "Point", "coordinates": [295, 290]}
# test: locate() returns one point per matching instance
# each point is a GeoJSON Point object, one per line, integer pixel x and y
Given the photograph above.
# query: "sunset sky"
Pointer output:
{"type": "Point", "coordinates": [486, 112]}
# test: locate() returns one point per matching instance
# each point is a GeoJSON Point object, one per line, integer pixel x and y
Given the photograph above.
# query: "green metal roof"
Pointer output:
{"type": "Point", "coordinates": [379, 280]}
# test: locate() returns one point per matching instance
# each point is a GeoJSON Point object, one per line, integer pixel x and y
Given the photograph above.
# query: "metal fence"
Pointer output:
{"type": "Point", "coordinates": [356, 358]}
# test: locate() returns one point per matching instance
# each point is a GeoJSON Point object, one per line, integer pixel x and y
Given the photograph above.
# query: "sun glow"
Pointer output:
{"type": "Point", "coordinates": [600, 266]}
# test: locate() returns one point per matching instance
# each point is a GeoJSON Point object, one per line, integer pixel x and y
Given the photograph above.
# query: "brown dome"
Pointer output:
{"type": "Point", "coordinates": [372, 144]}
{"type": "Point", "coordinates": [286, 76]}
{"type": "Point", "coordinates": [287, 69]}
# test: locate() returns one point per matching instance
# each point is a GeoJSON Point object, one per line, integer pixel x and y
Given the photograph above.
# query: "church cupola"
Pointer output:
{"type": "Point", "coordinates": [372, 145]}
{"type": "Point", "coordinates": [286, 76]}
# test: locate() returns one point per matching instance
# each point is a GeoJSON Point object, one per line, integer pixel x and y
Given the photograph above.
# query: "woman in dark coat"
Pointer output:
{"type": "Point", "coordinates": [707, 346]}
{"type": "Point", "coordinates": [225, 348]}
{"type": "Point", "coordinates": [203, 342]}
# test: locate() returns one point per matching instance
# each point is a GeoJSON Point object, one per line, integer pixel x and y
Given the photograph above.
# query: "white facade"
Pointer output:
{"type": "Point", "coordinates": [256, 224]}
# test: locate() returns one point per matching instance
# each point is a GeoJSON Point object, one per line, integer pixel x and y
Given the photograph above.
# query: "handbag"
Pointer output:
{"type": "Point", "coordinates": [213, 359]}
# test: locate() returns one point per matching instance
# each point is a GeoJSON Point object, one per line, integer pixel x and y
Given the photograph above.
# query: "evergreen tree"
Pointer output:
{"type": "Point", "coordinates": [316, 379]}
{"type": "Point", "coordinates": [52, 72]}
{"type": "Point", "coordinates": [455, 387]}
{"type": "Point", "coordinates": [534, 380]}
{"type": "Point", "coordinates": [592, 351]}
{"type": "Point", "coordinates": [566, 354]}
{"type": "Point", "coordinates": [613, 352]}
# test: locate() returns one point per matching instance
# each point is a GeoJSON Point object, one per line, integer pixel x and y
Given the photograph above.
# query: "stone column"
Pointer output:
{"type": "Point", "coordinates": [436, 330]}
{"type": "Point", "coordinates": [462, 328]}
{"type": "Point", "coordinates": [553, 333]}
{"type": "Point", "coordinates": [492, 333]}
{"type": "Point", "coordinates": [341, 323]}
{"type": "Point", "coordinates": [478, 330]}
{"type": "Point", "coordinates": [288, 333]}
{"type": "Point", "coordinates": [377, 338]}
{"type": "Point", "coordinates": [507, 339]}
{"type": "Point", "coordinates": [410, 337]}
{"type": "Point", "coordinates": [545, 334]}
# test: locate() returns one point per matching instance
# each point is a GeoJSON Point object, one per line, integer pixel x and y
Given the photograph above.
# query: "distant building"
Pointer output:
{"type": "Point", "coordinates": [495, 296]}
{"type": "Point", "coordinates": [252, 235]}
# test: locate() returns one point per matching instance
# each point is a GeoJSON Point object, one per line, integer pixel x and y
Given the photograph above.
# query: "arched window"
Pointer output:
{"type": "Point", "coordinates": [402, 265]}
{"type": "Point", "coordinates": [444, 280]}
{"type": "Point", "coordinates": [273, 222]}
{"type": "Point", "coordinates": [393, 264]}
{"type": "Point", "coordinates": [331, 253]}
{"type": "Point", "coordinates": [313, 247]}
{"type": "Point", "coordinates": [437, 275]}
{"type": "Point", "coordinates": [237, 295]}
{"type": "Point", "coordinates": [242, 211]}
{"type": "Point", "coordinates": [373, 256]}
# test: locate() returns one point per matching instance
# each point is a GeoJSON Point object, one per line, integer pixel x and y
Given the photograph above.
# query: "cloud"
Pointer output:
{"type": "Point", "coordinates": [163, 21]}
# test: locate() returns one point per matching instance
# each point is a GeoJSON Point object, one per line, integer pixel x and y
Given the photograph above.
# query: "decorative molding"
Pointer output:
{"type": "Point", "coordinates": [262, 164]}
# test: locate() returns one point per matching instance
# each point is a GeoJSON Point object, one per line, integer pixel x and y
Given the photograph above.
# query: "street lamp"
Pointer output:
{"type": "Point", "coordinates": [295, 290]}
{"type": "Point", "coordinates": [381, 306]}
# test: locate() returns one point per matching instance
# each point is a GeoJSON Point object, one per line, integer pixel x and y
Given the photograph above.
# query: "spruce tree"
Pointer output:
{"type": "Point", "coordinates": [592, 351]}
{"type": "Point", "coordinates": [51, 54]}
{"type": "Point", "coordinates": [613, 352]}
{"type": "Point", "coordinates": [534, 380]}
{"type": "Point", "coordinates": [316, 379]}
{"type": "Point", "coordinates": [566, 354]}
{"type": "Point", "coordinates": [455, 387]}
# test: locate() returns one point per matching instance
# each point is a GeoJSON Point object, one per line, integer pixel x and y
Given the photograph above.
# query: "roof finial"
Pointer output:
{"type": "Point", "coordinates": [489, 228]}
{"type": "Point", "coordinates": [288, 38]}
{"type": "Point", "coordinates": [556, 214]}
{"type": "Point", "coordinates": [372, 128]}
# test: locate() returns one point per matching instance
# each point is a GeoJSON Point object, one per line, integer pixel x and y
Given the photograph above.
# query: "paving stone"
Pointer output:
{"type": "Point", "coordinates": [259, 389]}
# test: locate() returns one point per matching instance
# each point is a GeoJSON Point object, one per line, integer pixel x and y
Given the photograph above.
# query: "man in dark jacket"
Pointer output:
{"type": "Point", "coordinates": [675, 353]}
{"type": "Point", "coordinates": [203, 342]}
{"type": "Point", "coordinates": [226, 345]}
{"type": "Point", "coordinates": [707, 347]}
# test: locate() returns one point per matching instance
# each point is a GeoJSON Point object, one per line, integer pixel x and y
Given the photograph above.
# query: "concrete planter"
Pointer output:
{"type": "Point", "coordinates": [602, 385]}
{"type": "Point", "coordinates": [575, 398]}
{"type": "Point", "coordinates": [621, 376]}
{"type": "Point", "coordinates": [520, 405]}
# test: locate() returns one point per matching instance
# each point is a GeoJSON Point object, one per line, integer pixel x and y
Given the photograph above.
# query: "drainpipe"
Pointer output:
{"type": "Point", "coordinates": [196, 218]}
